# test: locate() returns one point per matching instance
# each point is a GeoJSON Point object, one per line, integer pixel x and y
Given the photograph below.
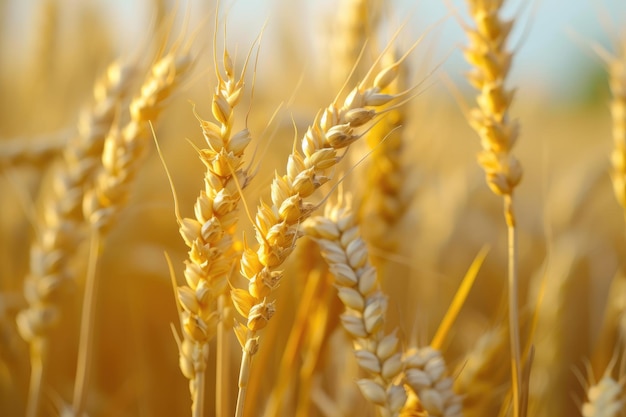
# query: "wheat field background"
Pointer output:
{"type": "Point", "coordinates": [425, 212]}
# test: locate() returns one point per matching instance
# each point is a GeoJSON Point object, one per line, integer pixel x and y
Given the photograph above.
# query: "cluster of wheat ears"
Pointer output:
{"type": "Point", "coordinates": [377, 275]}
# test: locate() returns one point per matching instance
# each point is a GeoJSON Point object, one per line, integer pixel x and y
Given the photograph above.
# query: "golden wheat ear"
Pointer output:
{"type": "Point", "coordinates": [203, 301]}
{"type": "Point", "coordinates": [377, 352]}
{"type": "Point", "coordinates": [491, 61]}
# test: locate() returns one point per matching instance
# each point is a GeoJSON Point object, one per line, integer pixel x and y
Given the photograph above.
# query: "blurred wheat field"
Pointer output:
{"type": "Point", "coordinates": [74, 87]}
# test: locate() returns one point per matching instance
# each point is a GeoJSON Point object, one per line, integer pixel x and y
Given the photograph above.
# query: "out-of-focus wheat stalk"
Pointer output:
{"type": "Point", "coordinates": [387, 195]}
{"type": "Point", "coordinates": [38, 151]}
{"type": "Point", "coordinates": [354, 25]}
{"type": "Point", "coordinates": [58, 232]}
{"type": "Point", "coordinates": [498, 133]}
{"type": "Point", "coordinates": [123, 153]}
{"type": "Point", "coordinates": [616, 67]}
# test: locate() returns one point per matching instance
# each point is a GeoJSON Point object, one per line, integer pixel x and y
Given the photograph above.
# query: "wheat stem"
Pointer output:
{"type": "Point", "coordinates": [198, 401]}
{"type": "Point", "coordinates": [251, 347]}
{"type": "Point", "coordinates": [87, 320]}
{"type": "Point", "coordinates": [38, 354]}
{"type": "Point", "coordinates": [516, 362]}
{"type": "Point", "coordinates": [222, 358]}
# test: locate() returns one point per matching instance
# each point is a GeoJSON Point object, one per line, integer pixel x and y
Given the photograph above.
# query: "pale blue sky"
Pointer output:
{"type": "Point", "coordinates": [548, 58]}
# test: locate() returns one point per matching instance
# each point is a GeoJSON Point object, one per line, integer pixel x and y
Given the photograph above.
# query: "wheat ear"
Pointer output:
{"type": "Point", "coordinates": [481, 377]}
{"type": "Point", "coordinates": [606, 397]}
{"type": "Point", "coordinates": [354, 25]}
{"type": "Point", "coordinates": [498, 133]}
{"type": "Point", "coordinates": [58, 231]}
{"type": "Point", "coordinates": [427, 375]}
{"type": "Point", "coordinates": [616, 66]}
{"type": "Point", "coordinates": [125, 148]}
{"type": "Point", "coordinates": [386, 196]}
{"type": "Point", "coordinates": [209, 235]}
{"type": "Point", "coordinates": [356, 279]}
{"type": "Point", "coordinates": [122, 155]}
{"type": "Point", "coordinates": [333, 129]}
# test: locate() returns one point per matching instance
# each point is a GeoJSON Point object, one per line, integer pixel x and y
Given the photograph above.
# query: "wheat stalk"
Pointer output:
{"type": "Point", "coordinates": [58, 232]}
{"type": "Point", "coordinates": [357, 282]}
{"type": "Point", "coordinates": [333, 129]}
{"type": "Point", "coordinates": [498, 133]}
{"type": "Point", "coordinates": [125, 148]}
{"type": "Point", "coordinates": [209, 235]}
{"type": "Point", "coordinates": [123, 152]}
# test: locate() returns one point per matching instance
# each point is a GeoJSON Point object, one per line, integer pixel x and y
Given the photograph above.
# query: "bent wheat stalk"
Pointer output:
{"type": "Point", "coordinates": [341, 245]}
{"type": "Point", "coordinates": [333, 129]}
{"type": "Point", "coordinates": [498, 133]}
